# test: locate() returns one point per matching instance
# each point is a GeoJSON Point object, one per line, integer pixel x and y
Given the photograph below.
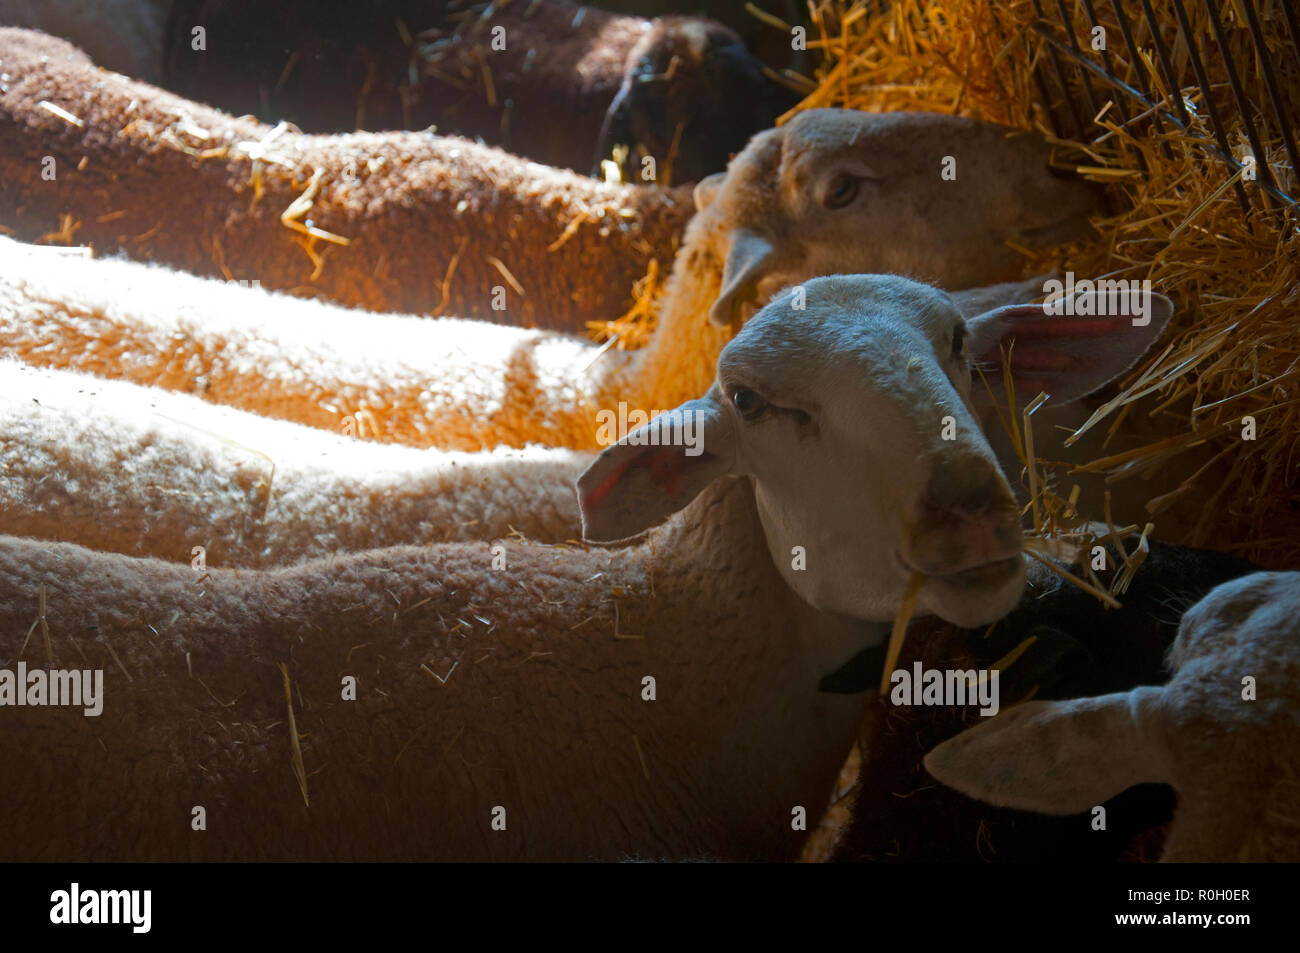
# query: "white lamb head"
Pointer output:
{"type": "Point", "coordinates": [847, 401]}
{"type": "Point", "coordinates": [1223, 732]}
{"type": "Point", "coordinates": [926, 195]}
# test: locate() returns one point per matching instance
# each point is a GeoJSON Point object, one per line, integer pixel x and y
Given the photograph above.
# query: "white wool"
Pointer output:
{"type": "Point", "coordinates": [146, 472]}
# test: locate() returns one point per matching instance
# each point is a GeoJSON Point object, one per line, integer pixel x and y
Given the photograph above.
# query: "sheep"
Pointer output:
{"type": "Point", "coordinates": [504, 710]}
{"type": "Point", "coordinates": [1078, 648]}
{"type": "Point", "coordinates": [135, 470]}
{"type": "Point", "coordinates": [797, 203]}
{"type": "Point", "coordinates": [1222, 732]}
{"type": "Point", "coordinates": [504, 72]}
{"type": "Point", "coordinates": [115, 466]}
{"type": "Point", "coordinates": [889, 188]}
{"type": "Point", "coordinates": [276, 359]}
{"type": "Point", "coordinates": [400, 221]}
{"type": "Point", "coordinates": [122, 35]}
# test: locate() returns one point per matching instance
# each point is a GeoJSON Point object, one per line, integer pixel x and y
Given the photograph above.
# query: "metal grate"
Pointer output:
{"type": "Point", "coordinates": [1073, 77]}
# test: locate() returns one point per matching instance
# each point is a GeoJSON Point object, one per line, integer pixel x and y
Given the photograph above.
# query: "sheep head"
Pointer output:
{"type": "Point", "coordinates": [689, 80]}
{"type": "Point", "coordinates": [848, 402]}
{"type": "Point", "coordinates": [929, 196]}
{"type": "Point", "coordinates": [1220, 732]}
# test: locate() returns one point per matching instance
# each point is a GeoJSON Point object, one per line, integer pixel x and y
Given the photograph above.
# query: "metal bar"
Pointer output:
{"type": "Point", "coordinates": [1060, 78]}
{"type": "Point", "coordinates": [1292, 27]}
{"type": "Point", "coordinates": [1239, 94]}
{"type": "Point", "coordinates": [1121, 102]}
{"type": "Point", "coordinates": [1067, 22]}
{"type": "Point", "coordinates": [1270, 81]}
{"type": "Point", "coordinates": [1150, 104]}
{"type": "Point", "coordinates": [1043, 95]}
{"type": "Point", "coordinates": [1139, 71]}
{"type": "Point", "coordinates": [1162, 52]}
{"type": "Point", "coordinates": [1207, 93]}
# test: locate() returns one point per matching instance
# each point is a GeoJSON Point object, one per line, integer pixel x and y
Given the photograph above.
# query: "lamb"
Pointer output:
{"type": "Point", "coordinates": [401, 221]}
{"type": "Point", "coordinates": [1078, 648]}
{"type": "Point", "coordinates": [135, 470]}
{"type": "Point", "coordinates": [797, 203]}
{"type": "Point", "coordinates": [1222, 732]}
{"type": "Point", "coordinates": [502, 72]}
{"type": "Point", "coordinates": [499, 710]}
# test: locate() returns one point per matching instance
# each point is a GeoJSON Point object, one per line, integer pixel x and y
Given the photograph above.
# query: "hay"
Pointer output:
{"type": "Point", "coordinates": [1234, 275]}
{"type": "Point", "coordinates": [632, 329]}
{"type": "Point", "coordinates": [295, 748]}
{"type": "Point", "coordinates": [906, 608]}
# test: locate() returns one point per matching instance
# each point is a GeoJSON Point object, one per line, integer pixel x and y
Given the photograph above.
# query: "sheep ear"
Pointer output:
{"type": "Point", "coordinates": [615, 130]}
{"type": "Point", "coordinates": [1059, 757]}
{"type": "Point", "coordinates": [1067, 355]}
{"type": "Point", "coordinates": [749, 258]}
{"type": "Point", "coordinates": [706, 190]}
{"type": "Point", "coordinates": [972, 302]}
{"type": "Point", "coordinates": [655, 470]}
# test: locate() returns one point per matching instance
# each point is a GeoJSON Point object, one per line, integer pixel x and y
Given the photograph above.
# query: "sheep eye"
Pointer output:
{"type": "Point", "coordinates": [843, 190]}
{"type": "Point", "coordinates": [958, 340]}
{"type": "Point", "coordinates": [749, 403]}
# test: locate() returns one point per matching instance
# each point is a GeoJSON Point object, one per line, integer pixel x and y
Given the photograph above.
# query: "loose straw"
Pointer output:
{"type": "Point", "coordinates": [906, 608]}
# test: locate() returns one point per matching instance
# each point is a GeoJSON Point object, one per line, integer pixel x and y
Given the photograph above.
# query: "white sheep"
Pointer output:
{"type": "Point", "coordinates": [654, 699]}
{"type": "Point", "coordinates": [141, 471]}
{"type": "Point", "coordinates": [831, 191]}
{"type": "Point", "coordinates": [404, 221]}
{"type": "Point", "coordinates": [1223, 732]}
{"type": "Point", "coordinates": [532, 496]}
{"type": "Point", "coordinates": [259, 492]}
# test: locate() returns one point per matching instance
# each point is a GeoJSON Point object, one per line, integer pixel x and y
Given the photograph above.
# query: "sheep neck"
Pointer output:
{"type": "Point", "coordinates": [679, 362]}
{"type": "Point", "coordinates": [720, 536]}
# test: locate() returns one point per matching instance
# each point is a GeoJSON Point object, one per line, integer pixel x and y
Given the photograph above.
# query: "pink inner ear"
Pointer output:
{"type": "Point", "coordinates": [1068, 326]}
{"type": "Point", "coordinates": [602, 489]}
{"type": "Point", "coordinates": [1038, 341]}
{"type": "Point", "coordinates": [666, 466]}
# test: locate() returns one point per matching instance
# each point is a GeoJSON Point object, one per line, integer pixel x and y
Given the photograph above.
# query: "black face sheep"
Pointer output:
{"type": "Point", "coordinates": [656, 699]}
{"type": "Point", "coordinates": [546, 79]}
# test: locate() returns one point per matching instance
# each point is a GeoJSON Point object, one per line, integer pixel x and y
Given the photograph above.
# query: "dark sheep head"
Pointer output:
{"type": "Point", "coordinates": [692, 95]}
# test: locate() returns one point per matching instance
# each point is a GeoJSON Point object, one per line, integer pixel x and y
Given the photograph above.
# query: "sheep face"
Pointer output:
{"type": "Point", "coordinates": [925, 195]}
{"type": "Point", "coordinates": [848, 401]}
{"type": "Point", "coordinates": [850, 413]}
{"type": "Point", "coordinates": [865, 453]}
{"type": "Point", "coordinates": [690, 81]}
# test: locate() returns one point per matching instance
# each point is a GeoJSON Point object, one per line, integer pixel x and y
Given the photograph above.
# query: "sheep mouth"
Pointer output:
{"type": "Point", "coordinates": [982, 577]}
